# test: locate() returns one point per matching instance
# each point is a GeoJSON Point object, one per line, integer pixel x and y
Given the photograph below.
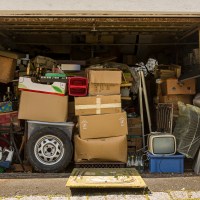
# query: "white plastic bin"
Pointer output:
{"type": "Point", "coordinates": [33, 126]}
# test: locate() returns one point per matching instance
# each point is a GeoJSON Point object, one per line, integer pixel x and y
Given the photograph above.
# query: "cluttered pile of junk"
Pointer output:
{"type": "Point", "coordinates": [54, 115]}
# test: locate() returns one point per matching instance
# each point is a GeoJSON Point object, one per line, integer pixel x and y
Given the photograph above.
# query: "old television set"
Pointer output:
{"type": "Point", "coordinates": [162, 144]}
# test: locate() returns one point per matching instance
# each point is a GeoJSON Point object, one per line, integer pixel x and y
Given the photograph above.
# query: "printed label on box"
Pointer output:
{"type": "Point", "coordinates": [122, 121]}
{"type": "Point", "coordinates": [84, 124]}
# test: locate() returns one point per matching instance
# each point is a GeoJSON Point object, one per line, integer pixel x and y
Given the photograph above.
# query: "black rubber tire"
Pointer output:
{"type": "Point", "coordinates": [67, 146]}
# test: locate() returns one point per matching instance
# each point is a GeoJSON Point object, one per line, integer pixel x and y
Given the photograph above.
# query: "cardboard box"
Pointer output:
{"type": "Point", "coordinates": [7, 69]}
{"type": "Point", "coordinates": [186, 99]}
{"type": "Point", "coordinates": [167, 71]}
{"type": "Point", "coordinates": [13, 55]}
{"type": "Point", "coordinates": [43, 107]}
{"type": "Point", "coordinates": [172, 86]}
{"type": "Point", "coordinates": [97, 105]}
{"type": "Point", "coordinates": [101, 126]}
{"type": "Point", "coordinates": [26, 83]}
{"type": "Point", "coordinates": [104, 149]}
{"type": "Point", "coordinates": [104, 81]}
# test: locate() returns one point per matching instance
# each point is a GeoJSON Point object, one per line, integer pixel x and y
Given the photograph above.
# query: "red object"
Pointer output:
{"type": "Point", "coordinates": [77, 86]}
{"type": "Point", "coordinates": [7, 118]}
{"type": "Point", "coordinates": [3, 143]}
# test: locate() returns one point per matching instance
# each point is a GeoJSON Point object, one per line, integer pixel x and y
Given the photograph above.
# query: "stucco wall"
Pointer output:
{"type": "Point", "coordinates": [100, 7]}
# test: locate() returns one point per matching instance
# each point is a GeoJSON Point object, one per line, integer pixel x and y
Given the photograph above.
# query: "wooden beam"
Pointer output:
{"type": "Point", "coordinates": [189, 33]}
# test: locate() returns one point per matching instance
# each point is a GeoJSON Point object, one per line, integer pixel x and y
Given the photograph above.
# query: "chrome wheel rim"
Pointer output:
{"type": "Point", "coordinates": [49, 150]}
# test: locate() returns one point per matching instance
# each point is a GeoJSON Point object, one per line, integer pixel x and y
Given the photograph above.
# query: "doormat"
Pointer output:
{"type": "Point", "coordinates": [105, 178]}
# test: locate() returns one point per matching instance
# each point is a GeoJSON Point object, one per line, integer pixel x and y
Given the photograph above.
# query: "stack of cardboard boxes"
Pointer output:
{"type": "Point", "coordinates": [102, 124]}
{"type": "Point", "coordinates": [174, 91]}
{"type": "Point", "coordinates": [170, 89]}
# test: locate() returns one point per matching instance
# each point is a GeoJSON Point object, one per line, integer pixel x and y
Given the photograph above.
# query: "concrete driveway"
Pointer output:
{"type": "Point", "coordinates": [52, 187]}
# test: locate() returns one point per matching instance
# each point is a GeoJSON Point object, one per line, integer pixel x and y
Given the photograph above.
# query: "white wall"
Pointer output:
{"type": "Point", "coordinates": [100, 7]}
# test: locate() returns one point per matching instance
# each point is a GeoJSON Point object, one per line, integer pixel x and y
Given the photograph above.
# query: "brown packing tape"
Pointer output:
{"type": "Point", "coordinates": [98, 103]}
{"type": "Point", "coordinates": [102, 104]}
{"type": "Point", "coordinates": [98, 106]}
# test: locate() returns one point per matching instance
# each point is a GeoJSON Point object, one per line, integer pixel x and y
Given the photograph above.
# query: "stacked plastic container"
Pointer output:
{"type": "Point", "coordinates": [77, 86]}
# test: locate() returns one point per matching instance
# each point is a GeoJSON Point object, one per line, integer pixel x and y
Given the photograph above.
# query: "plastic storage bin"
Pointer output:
{"type": "Point", "coordinates": [77, 86]}
{"type": "Point", "coordinates": [67, 127]}
{"type": "Point", "coordinates": [166, 164]}
{"type": "Point", "coordinates": [5, 164]}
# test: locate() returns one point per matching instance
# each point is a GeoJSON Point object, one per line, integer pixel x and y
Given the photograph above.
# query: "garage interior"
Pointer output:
{"type": "Point", "coordinates": [96, 40]}
{"type": "Point", "coordinates": [84, 38]}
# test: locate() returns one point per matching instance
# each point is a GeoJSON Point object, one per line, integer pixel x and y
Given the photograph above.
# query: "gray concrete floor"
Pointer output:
{"type": "Point", "coordinates": [48, 186]}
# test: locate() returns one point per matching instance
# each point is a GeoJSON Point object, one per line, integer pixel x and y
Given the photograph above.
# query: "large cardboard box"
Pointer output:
{"type": "Point", "coordinates": [104, 149]}
{"type": "Point", "coordinates": [43, 107]}
{"type": "Point", "coordinates": [104, 81]}
{"type": "Point", "coordinates": [172, 86]}
{"type": "Point", "coordinates": [7, 69]}
{"type": "Point", "coordinates": [101, 126]}
{"type": "Point", "coordinates": [97, 105]}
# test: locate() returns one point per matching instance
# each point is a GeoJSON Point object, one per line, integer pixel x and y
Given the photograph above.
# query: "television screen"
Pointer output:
{"type": "Point", "coordinates": [162, 144]}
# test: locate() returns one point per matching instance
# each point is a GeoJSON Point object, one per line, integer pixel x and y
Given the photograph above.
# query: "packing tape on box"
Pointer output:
{"type": "Point", "coordinates": [98, 106]}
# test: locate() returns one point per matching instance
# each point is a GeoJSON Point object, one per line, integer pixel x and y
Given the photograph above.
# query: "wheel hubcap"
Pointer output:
{"type": "Point", "coordinates": [49, 150]}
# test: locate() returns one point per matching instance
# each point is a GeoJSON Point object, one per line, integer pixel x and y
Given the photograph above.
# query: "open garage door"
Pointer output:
{"type": "Point", "coordinates": [89, 37]}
